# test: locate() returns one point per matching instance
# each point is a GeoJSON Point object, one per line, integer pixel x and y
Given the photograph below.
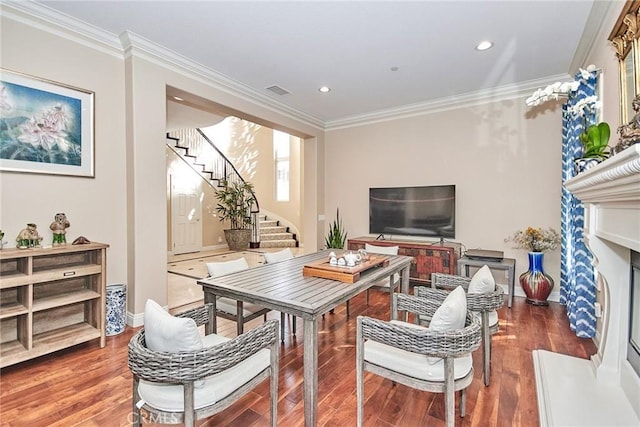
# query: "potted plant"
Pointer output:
{"type": "Point", "coordinates": [595, 148]}
{"type": "Point", "coordinates": [337, 236]}
{"type": "Point", "coordinates": [235, 200]}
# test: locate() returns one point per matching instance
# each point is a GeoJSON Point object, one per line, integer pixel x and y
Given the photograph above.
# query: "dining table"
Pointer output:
{"type": "Point", "coordinates": [283, 287]}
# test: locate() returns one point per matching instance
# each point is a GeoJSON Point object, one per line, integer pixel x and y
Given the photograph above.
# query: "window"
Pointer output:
{"type": "Point", "coordinates": [281, 157]}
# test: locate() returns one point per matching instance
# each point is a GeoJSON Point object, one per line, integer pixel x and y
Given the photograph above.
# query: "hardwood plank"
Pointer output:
{"type": "Point", "coordinates": [91, 386]}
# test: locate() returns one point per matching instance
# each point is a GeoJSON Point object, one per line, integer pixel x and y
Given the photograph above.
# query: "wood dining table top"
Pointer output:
{"type": "Point", "coordinates": [282, 286]}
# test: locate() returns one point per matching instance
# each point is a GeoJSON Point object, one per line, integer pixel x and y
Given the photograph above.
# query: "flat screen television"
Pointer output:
{"type": "Point", "coordinates": [427, 211]}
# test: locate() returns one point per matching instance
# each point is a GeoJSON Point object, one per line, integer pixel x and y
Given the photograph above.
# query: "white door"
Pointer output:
{"type": "Point", "coordinates": [186, 214]}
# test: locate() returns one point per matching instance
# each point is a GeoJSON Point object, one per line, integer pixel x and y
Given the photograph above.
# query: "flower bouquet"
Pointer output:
{"type": "Point", "coordinates": [535, 239]}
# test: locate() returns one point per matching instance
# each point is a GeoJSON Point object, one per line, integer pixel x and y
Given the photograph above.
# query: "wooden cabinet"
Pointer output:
{"type": "Point", "coordinates": [428, 257]}
{"type": "Point", "coordinates": [50, 299]}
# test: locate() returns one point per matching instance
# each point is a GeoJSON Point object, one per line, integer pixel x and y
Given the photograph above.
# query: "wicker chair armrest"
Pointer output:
{"type": "Point", "coordinates": [475, 302]}
{"type": "Point", "coordinates": [449, 281]}
{"type": "Point", "coordinates": [486, 301]}
{"type": "Point", "coordinates": [416, 305]}
{"type": "Point", "coordinates": [438, 295]}
{"type": "Point", "coordinates": [199, 314]}
{"type": "Point", "coordinates": [423, 340]}
{"type": "Point", "coordinates": [190, 366]}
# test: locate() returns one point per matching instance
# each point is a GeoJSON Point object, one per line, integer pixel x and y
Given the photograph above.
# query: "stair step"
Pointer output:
{"type": "Point", "coordinates": [272, 230]}
{"type": "Point", "coordinates": [288, 243]}
{"type": "Point", "coordinates": [268, 223]}
{"type": "Point", "coordinates": [276, 236]}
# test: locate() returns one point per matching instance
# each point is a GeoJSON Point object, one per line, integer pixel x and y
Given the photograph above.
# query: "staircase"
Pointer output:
{"type": "Point", "coordinates": [193, 146]}
{"type": "Point", "coordinates": [273, 235]}
{"type": "Point", "coordinates": [201, 154]}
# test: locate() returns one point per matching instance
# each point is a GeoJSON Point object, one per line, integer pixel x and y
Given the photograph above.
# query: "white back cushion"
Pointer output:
{"type": "Point", "coordinates": [217, 269]}
{"type": "Point", "coordinates": [271, 257]}
{"type": "Point", "coordinates": [482, 282]}
{"type": "Point", "coordinates": [164, 332]}
{"type": "Point", "coordinates": [452, 313]}
{"type": "Point", "coordinates": [382, 250]}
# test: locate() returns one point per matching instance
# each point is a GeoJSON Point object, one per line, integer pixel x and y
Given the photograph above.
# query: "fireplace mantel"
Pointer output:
{"type": "Point", "coordinates": [610, 193]}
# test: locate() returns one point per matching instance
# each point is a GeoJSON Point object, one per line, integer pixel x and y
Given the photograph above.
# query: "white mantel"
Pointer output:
{"type": "Point", "coordinates": [605, 389]}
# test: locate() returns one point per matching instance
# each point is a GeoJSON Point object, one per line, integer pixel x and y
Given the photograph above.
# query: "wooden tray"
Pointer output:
{"type": "Point", "coordinates": [344, 274]}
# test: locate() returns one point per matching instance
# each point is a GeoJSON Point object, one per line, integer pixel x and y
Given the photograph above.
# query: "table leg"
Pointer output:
{"type": "Point", "coordinates": [512, 284]}
{"type": "Point", "coordinates": [310, 372]}
{"type": "Point", "coordinates": [239, 317]}
{"type": "Point", "coordinates": [212, 326]}
{"type": "Point", "coordinates": [404, 273]}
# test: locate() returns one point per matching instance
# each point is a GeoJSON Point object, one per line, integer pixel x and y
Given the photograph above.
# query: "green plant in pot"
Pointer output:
{"type": "Point", "coordinates": [235, 200]}
{"type": "Point", "coordinates": [337, 235]}
{"type": "Point", "coordinates": [595, 146]}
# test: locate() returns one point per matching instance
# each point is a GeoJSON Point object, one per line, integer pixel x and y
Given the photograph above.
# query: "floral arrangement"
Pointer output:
{"type": "Point", "coordinates": [535, 239]}
{"type": "Point", "coordinates": [594, 137]}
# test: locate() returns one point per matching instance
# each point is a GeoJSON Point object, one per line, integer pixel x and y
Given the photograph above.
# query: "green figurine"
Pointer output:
{"type": "Point", "coordinates": [59, 228]}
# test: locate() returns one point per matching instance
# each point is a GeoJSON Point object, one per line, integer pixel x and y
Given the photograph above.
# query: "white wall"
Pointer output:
{"type": "Point", "coordinates": [96, 207]}
{"type": "Point", "coordinates": [504, 160]}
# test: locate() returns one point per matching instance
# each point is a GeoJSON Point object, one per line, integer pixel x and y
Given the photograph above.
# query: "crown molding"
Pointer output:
{"type": "Point", "coordinates": [496, 94]}
{"type": "Point", "coordinates": [44, 18]}
{"type": "Point", "coordinates": [138, 46]}
{"type": "Point", "coordinates": [130, 44]}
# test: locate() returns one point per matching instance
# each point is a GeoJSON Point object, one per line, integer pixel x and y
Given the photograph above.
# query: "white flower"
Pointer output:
{"type": "Point", "coordinates": [586, 103]}
{"type": "Point", "coordinates": [585, 74]}
{"type": "Point", "coordinates": [553, 91]}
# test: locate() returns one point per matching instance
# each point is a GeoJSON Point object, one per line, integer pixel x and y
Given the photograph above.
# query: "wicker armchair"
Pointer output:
{"type": "Point", "coordinates": [406, 345]}
{"type": "Point", "coordinates": [484, 304]}
{"type": "Point", "coordinates": [200, 383]}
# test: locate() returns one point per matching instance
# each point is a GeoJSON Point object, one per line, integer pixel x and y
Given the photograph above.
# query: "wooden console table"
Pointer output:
{"type": "Point", "coordinates": [428, 257]}
{"type": "Point", "coordinates": [507, 264]}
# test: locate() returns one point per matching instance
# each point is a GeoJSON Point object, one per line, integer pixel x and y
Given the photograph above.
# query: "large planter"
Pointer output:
{"type": "Point", "coordinates": [537, 285]}
{"type": "Point", "coordinates": [238, 238]}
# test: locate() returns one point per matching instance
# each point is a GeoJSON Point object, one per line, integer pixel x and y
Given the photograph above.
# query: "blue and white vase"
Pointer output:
{"type": "Point", "coordinates": [116, 309]}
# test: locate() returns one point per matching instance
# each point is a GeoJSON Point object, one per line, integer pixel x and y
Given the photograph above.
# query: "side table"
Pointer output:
{"type": "Point", "coordinates": [508, 264]}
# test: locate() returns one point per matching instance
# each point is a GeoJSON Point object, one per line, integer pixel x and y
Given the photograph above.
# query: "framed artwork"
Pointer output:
{"type": "Point", "coordinates": [45, 127]}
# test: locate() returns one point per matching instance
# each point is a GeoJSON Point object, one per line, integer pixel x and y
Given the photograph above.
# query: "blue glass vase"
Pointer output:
{"type": "Point", "coordinates": [537, 285]}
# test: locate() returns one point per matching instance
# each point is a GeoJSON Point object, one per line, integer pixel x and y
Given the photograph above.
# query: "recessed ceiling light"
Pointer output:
{"type": "Point", "coordinates": [325, 89]}
{"type": "Point", "coordinates": [484, 45]}
{"type": "Point", "coordinates": [177, 98]}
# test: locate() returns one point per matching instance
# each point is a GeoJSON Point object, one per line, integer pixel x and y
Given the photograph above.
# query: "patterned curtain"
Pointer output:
{"type": "Point", "coordinates": [577, 285]}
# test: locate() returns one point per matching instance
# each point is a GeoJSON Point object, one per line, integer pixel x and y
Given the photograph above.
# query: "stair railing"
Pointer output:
{"type": "Point", "coordinates": [213, 166]}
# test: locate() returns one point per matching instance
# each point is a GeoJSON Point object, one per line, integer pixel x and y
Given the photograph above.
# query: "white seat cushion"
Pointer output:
{"type": "Point", "coordinates": [164, 332]}
{"type": "Point", "coordinates": [493, 317]}
{"type": "Point", "coordinates": [169, 397]}
{"type": "Point", "coordinates": [229, 305]}
{"type": "Point", "coordinates": [412, 364]}
{"type": "Point", "coordinates": [271, 257]}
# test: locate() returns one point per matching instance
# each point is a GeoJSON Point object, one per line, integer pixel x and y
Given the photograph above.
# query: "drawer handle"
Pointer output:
{"type": "Point", "coordinates": [69, 273]}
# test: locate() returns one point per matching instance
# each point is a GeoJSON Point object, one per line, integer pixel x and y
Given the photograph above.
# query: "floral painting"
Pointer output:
{"type": "Point", "coordinates": [45, 127]}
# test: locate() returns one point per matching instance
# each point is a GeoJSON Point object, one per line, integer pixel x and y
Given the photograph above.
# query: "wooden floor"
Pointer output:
{"type": "Point", "coordinates": [91, 386]}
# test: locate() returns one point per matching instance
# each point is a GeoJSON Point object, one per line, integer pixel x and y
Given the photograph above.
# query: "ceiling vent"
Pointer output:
{"type": "Point", "coordinates": [278, 90]}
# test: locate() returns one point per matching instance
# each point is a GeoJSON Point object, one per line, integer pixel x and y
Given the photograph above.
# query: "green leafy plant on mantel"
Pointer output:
{"type": "Point", "coordinates": [337, 235]}
{"type": "Point", "coordinates": [595, 141]}
{"type": "Point", "coordinates": [235, 200]}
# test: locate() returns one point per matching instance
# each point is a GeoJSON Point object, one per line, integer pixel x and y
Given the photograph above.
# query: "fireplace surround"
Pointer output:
{"type": "Point", "coordinates": [605, 388]}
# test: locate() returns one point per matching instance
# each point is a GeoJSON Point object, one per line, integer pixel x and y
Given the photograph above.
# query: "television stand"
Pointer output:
{"type": "Point", "coordinates": [429, 257]}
